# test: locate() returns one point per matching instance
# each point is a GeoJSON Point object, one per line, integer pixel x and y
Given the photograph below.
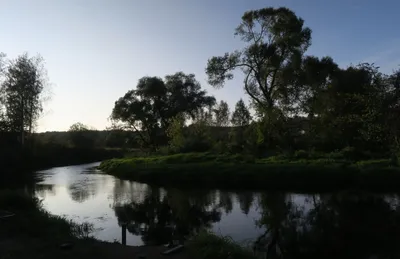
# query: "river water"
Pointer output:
{"type": "Point", "coordinates": [345, 220]}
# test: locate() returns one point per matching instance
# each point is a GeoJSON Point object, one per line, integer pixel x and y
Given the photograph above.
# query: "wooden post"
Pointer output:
{"type": "Point", "coordinates": [123, 227]}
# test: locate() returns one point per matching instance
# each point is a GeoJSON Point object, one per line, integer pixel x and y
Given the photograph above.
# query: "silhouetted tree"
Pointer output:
{"type": "Point", "coordinates": [276, 40]}
{"type": "Point", "coordinates": [241, 116]}
{"type": "Point", "coordinates": [22, 90]}
{"type": "Point", "coordinates": [79, 135]}
{"type": "Point", "coordinates": [222, 114]}
{"type": "Point", "coordinates": [148, 110]}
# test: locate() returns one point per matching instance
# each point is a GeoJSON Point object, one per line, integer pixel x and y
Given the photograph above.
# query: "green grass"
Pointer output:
{"type": "Point", "coordinates": [210, 246]}
{"type": "Point", "coordinates": [236, 171]}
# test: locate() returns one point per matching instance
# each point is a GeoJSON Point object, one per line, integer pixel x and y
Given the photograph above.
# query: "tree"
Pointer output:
{"type": "Point", "coordinates": [3, 122]}
{"type": "Point", "coordinates": [149, 109]}
{"type": "Point", "coordinates": [176, 134]}
{"type": "Point", "coordinates": [22, 90]}
{"type": "Point", "coordinates": [78, 126]}
{"type": "Point", "coordinates": [222, 114]}
{"type": "Point", "coordinates": [276, 41]}
{"type": "Point", "coordinates": [199, 137]}
{"type": "Point", "coordinates": [120, 138]}
{"type": "Point", "coordinates": [79, 135]}
{"type": "Point", "coordinates": [240, 120]}
{"type": "Point", "coordinates": [241, 116]}
{"type": "Point", "coordinates": [316, 77]}
{"type": "Point", "coordinates": [392, 102]}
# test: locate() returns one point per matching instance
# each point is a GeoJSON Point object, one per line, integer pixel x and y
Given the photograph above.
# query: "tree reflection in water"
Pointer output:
{"type": "Point", "coordinates": [351, 225]}
{"type": "Point", "coordinates": [154, 217]}
{"type": "Point", "coordinates": [82, 190]}
{"type": "Point", "coordinates": [346, 224]}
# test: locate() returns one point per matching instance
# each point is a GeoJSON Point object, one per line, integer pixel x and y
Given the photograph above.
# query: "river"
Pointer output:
{"type": "Point", "coordinates": [345, 220]}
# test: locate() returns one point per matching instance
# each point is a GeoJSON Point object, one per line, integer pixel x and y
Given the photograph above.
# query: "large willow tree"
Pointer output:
{"type": "Point", "coordinates": [275, 41]}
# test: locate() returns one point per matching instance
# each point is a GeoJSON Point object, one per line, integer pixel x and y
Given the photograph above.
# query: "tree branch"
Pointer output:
{"type": "Point", "coordinates": [246, 87]}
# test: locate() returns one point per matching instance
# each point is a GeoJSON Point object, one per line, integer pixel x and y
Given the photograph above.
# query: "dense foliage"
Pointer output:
{"type": "Point", "coordinates": [149, 108]}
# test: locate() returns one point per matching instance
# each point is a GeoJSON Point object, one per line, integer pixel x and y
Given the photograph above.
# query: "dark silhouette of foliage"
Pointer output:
{"type": "Point", "coordinates": [80, 135]}
{"type": "Point", "coordinates": [275, 42]}
{"type": "Point", "coordinates": [148, 110]}
{"type": "Point", "coordinates": [160, 218]}
{"type": "Point", "coordinates": [222, 114]}
{"type": "Point", "coordinates": [241, 116]}
{"type": "Point", "coordinates": [21, 90]}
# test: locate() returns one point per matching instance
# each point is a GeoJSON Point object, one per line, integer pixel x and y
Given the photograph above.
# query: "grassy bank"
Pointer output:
{"type": "Point", "coordinates": [236, 171]}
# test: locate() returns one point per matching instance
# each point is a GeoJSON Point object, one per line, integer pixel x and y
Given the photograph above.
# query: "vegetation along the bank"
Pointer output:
{"type": "Point", "coordinates": [238, 171]}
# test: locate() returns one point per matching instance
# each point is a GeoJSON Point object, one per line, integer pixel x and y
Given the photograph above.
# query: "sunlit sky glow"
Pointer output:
{"type": "Point", "coordinates": [96, 50]}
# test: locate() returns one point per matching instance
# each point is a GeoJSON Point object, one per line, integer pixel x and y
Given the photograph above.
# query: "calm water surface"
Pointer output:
{"type": "Point", "coordinates": [87, 195]}
{"type": "Point", "coordinates": [352, 221]}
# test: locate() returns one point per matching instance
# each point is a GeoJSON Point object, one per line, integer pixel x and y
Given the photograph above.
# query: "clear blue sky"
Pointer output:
{"type": "Point", "coordinates": [96, 50]}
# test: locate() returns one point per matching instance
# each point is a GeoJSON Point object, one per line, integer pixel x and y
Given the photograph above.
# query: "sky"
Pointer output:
{"type": "Point", "coordinates": [96, 50]}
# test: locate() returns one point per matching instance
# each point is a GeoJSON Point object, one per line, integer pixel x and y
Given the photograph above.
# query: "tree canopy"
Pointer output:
{"type": "Point", "coordinates": [21, 92]}
{"type": "Point", "coordinates": [276, 40]}
{"type": "Point", "coordinates": [222, 114]}
{"type": "Point", "coordinates": [150, 107]}
{"type": "Point", "coordinates": [241, 116]}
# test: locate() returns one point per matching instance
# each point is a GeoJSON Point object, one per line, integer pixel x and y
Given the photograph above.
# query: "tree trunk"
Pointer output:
{"type": "Point", "coordinates": [22, 122]}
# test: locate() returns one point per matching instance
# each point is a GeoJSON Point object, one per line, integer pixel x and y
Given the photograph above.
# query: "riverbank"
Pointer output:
{"type": "Point", "coordinates": [16, 165]}
{"type": "Point", "coordinates": [236, 171]}
{"type": "Point", "coordinates": [63, 156]}
{"type": "Point", "coordinates": [34, 233]}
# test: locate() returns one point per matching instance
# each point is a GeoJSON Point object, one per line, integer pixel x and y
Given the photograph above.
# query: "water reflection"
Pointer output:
{"type": "Point", "coordinates": [357, 225]}
{"type": "Point", "coordinates": [159, 213]}
{"type": "Point", "coordinates": [245, 200]}
{"type": "Point", "coordinates": [45, 189]}
{"type": "Point", "coordinates": [354, 224]}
